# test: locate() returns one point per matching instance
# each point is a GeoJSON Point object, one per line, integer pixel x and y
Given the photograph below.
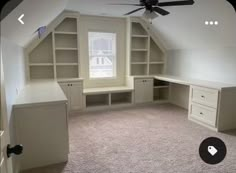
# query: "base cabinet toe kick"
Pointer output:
{"type": "Point", "coordinates": [213, 108]}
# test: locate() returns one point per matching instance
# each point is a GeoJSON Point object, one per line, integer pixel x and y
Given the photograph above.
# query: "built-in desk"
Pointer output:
{"type": "Point", "coordinates": [211, 104]}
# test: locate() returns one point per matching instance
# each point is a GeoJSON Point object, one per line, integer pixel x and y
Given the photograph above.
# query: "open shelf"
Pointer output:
{"type": "Point", "coordinates": [155, 69]}
{"type": "Point", "coordinates": [161, 94]}
{"type": "Point", "coordinates": [138, 69]}
{"type": "Point", "coordinates": [97, 100]}
{"type": "Point", "coordinates": [41, 72]}
{"type": "Point", "coordinates": [65, 33]}
{"type": "Point", "coordinates": [139, 43]}
{"type": "Point", "coordinates": [137, 29]}
{"type": "Point", "coordinates": [140, 36]}
{"type": "Point", "coordinates": [67, 25]}
{"type": "Point", "coordinates": [66, 56]}
{"type": "Point", "coordinates": [121, 98]}
{"type": "Point", "coordinates": [138, 56]}
{"type": "Point", "coordinates": [43, 53]}
{"type": "Point", "coordinates": [67, 71]}
{"type": "Point", "coordinates": [156, 54]}
{"type": "Point", "coordinates": [66, 41]}
{"type": "Point", "coordinates": [139, 50]}
{"type": "Point", "coordinates": [41, 64]}
{"type": "Point", "coordinates": [160, 83]}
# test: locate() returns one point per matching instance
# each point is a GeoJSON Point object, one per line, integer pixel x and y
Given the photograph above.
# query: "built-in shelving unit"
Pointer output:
{"type": "Point", "coordinates": [121, 98]}
{"type": "Point", "coordinates": [97, 100]}
{"type": "Point", "coordinates": [160, 90]}
{"type": "Point", "coordinates": [146, 58]}
{"type": "Point", "coordinates": [57, 55]}
{"type": "Point", "coordinates": [101, 98]}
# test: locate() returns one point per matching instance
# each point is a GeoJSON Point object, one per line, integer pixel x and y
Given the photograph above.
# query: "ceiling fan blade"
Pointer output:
{"type": "Point", "coordinates": [233, 3]}
{"type": "Point", "coordinates": [128, 4]}
{"type": "Point", "coordinates": [176, 3]}
{"type": "Point", "coordinates": [134, 11]}
{"type": "Point", "coordinates": [160, 11]}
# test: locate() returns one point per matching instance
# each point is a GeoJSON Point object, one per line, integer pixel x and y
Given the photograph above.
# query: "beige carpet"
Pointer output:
{"type": "Point", "coordinates": [145, 139]}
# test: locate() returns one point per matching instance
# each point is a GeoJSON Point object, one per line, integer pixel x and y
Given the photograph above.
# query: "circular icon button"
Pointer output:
{"type": "Point", "coordinates": [212, 150]}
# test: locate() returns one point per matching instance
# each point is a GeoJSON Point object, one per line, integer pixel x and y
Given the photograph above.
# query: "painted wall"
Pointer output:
{"type": "Point", "coordinates": [14, 77]}
{"type": "Point", "coordinates": [103, 24]}
{"type": "Point", "coordinates": [36, 13]}
{"type": "Point", "coordinates": [207, 64]}
{"type": "Point", "coordinates": [185, 27]}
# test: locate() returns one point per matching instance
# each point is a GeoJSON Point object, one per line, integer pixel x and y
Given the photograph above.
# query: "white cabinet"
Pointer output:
{"type": "Point", "coordinates": [43, 131]}
{"type": "Point", "coordinates": [204, 105]}
{"type": "Point", "coordinates": [143, 90]}
{"type": "Point", "coordinates": [74, 94]}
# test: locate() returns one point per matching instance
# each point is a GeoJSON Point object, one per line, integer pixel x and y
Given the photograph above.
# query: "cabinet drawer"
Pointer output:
{"type": "Point", "coordinates": [205, 96]}
{"type": "Point", "coordinates": [204, 114]}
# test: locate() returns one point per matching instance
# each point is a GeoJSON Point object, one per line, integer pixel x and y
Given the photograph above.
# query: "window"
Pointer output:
{"type": "Point", "coordinates": [102, 55]}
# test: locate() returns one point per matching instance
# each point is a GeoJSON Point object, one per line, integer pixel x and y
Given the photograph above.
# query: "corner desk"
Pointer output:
{"type": "Point", "coordinates": [211, 104]}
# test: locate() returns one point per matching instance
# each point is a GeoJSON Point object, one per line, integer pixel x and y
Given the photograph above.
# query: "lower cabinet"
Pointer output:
{"type": "Point", "coordinates": [42, 129]}
{"type": "Point", "coordinates": [143, 90]}
{"type": "Point", "coordinates": [74, 94]}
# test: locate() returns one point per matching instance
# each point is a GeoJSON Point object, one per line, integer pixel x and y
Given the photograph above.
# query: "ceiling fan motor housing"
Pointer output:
{"type": "Point", "coordinates": [149, 2]}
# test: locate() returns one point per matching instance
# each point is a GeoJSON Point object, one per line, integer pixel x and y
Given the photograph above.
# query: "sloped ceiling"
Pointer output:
{"type": "Point", "coordinates": [37, 13]}
{"type": "Point", "coordinates": [184, 28]}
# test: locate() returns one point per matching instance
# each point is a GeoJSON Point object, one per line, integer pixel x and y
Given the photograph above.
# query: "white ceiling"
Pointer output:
{"type": "Point", "coordinates": [184, 28]}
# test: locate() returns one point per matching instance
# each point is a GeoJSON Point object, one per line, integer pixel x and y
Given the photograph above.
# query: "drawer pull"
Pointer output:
{"type": "Point", "coordinates": [203, 96]}
{"type": "Point", "coordinates": [201, 113]}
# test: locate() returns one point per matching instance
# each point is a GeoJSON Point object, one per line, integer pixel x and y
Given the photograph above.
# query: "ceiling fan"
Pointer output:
{"type": "Point", "coordinates": [154, 6]}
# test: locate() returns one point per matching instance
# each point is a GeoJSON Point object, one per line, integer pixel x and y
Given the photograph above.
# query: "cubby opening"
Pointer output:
{"type": "Point", "coordinates": [97, 100]}
{"type": "Point", "coordinates": [41, 72]}
{"type": "Point", "coordinates": [156, 55]}
{"type": "Point", "coordinates": [67, 25]}
{"type": "Point", "coordinates": [137, 29]}
{"type": "Point", "coordinates": [161, 94]}
{"type": "Point", "coordinates": [66, 56]}
{"type": "Point", "coordinates": [67, 71]}
{"type": "Point", "coordinates": [43, 53]}
{"type": "Point", "coordinates": [66, 41]}
{"type": "Point", "coordinates": [139, 43]}
{"type": "Point", "coordinates": [138, 69]}
{"type": "Point", "coordinates": [160, 83]}
{"type": "Point", "coordinates": [121, 98]}
{"type": "Point", "coordinates": [137, 57]}
{"type": "Point", "coordinates": [155, 69]}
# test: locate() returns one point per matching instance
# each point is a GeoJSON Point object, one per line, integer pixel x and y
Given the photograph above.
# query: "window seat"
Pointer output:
{"type": "Point", "coordinates": [88, 91]}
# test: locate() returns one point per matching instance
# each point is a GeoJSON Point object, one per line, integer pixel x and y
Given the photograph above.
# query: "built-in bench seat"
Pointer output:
{"type": "Point", "coordinates": [87, 91]}
{"type": "Point", "coordinates": [108, 96]}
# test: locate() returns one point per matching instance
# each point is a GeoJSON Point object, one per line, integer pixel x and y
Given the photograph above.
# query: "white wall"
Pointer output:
{"type": "Point", "coordinates": [102, 24]}
{"type": "Point", "coordinates": [14, 77]}
{"type": "Point", "coordinates": [184, 27]}
{"type": "Point", "coordinates": [217, 64]}
{"type": "Point", "coordinates": [37, 13]}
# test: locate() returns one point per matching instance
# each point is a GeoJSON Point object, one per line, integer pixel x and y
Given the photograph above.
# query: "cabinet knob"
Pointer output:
{"type": "Point", "coordinates": [201, 113]}
{"type": "Point", "coordinates": [17, 150]}
{"type": "Point", "coordinates": [203, 96]}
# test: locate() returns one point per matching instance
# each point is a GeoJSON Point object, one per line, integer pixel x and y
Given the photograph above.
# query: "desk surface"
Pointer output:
{"type": "Point", "coordinates": [40, 92]}
{"type": "Point", "coordinates": [189, 81]}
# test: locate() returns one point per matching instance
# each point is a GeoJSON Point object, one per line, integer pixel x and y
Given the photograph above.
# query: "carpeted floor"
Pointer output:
{"type": "Point", "coordinates": [144, 139]}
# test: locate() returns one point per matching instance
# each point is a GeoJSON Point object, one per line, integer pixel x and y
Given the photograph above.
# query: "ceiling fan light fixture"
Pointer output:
{"type": "Point", "coordinates": [150, 16]}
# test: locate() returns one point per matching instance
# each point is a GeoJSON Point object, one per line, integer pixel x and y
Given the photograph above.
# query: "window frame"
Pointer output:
{"type": "Point", "coordinates": [115, 66]}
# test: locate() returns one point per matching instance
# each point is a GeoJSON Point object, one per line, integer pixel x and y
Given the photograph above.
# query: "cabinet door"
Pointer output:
{"type": "Point", "coordinates": [76, 96]}
{"type": "Point", "coordinates": [143, 90]}
{"type": "Point", "coordinates": [65, 88]}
